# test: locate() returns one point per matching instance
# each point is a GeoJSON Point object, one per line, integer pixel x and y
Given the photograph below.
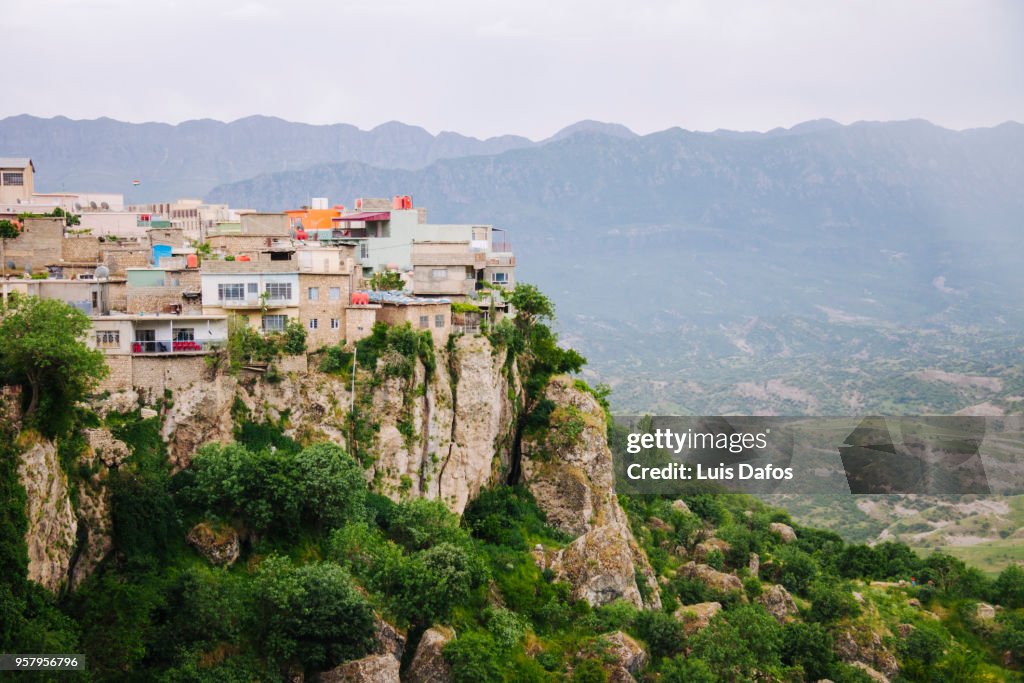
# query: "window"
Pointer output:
{"type": "Point", "coordinates": [108, 339]}
{"type": "Point", "coordinates": [335, 323]}
{"type": "Point", "coordinates": [364, 250]}
{"type": "Point", "coordinates": [313, 323]}
{"type": "Point", "coordinates": [438, 321]}
{"type": "Point", "coordinates": [253, 288]}
{"type": "Point", "coordinates": [439, 274]}
{"type": "Point", "coordinates": [279, 290]}
{"type": "Point", "coordinates": [185, 334]}
{"type": "Point", "coordinates": [274, 323]}
{"type": "Point", "coordinates": [470, 273]}
{"type": "Point", "coordinates": [499, 278]}
{"type": "Point", "coordinates": [313, 293]}
{"type": "Point", "coordinates": [424, 321]}
{"type": "Point", "coordinates": [231, 292]}
{"type": "Point", "coordinates": [15, 178]}
{"type": "Point", "coordinates": [479, 234]}
{"type": "Point", "coordinates": [334, 294]}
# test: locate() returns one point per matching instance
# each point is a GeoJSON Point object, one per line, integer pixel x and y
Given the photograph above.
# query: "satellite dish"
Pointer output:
{"type": "Point", "coordinates": [102, 272]}
{"type": "Point", "coordinates": [10, 265]}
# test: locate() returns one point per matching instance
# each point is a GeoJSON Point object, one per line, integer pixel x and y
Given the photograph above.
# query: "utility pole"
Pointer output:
{"type": "Point", "coordinates": [352, 413]}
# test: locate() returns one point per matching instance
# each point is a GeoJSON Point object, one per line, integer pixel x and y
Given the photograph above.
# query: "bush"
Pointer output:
{"type": "Point", "coordinates": [1008, 589]}
{"type": "Point", "coordinates": [662, 632]}
{"type": "Point", "coordinates": [831, 602]}
{"type": "Point", "coordinates": [808, 646]}
{"type": "Point", "coordinates": [311, 614]}
{"type": "Point", "coordinates": [474, 657]}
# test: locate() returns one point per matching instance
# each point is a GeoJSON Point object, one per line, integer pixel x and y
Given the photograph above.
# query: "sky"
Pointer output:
{"type": "Point", "coordinates": [524, 67]}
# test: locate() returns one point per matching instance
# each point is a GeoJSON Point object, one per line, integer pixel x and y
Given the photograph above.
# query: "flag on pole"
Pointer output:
{"type": "Point", "coordinates": [136, 182]}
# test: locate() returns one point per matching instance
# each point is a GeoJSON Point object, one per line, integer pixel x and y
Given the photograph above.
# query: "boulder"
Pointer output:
{"type": "Point", "coordinates": [778, 602]}
{"type": "Point", "coordinates": [371, 669]}
{"type": "Point", "coordinates": [428, 665]}
{"type": "Point", "coordinates": [680, 506]}
{"type": "Point", "coordinates": [601, 566]}
{"type": "Point", "coordinates": [218, 545]}
{"type": "Point", "coordinates": [864, 648]}
{"type": "Point", "coordinates": [984, 612]}
{"type": "Point", "coordinates": [389, 640]}
{"type": "Point", "coordinates": [905, 630]}
{"type": "Point", "coordinates": [627, 652]}
{"type": "Point", "coordinates": [658, 524]}
{"type": "Point", "coordinates": [783, 531]}
{"type": "Point", "coordinates": [754, 566]}
{"type": "Point", "coordinates": [697, 617]}
{"type": "Point", "coordinates": [712, 578]}
{"type": "Point", "coordinates": [705, 548]}
{"type": "Point", "coordinates": [111, 451]}
{"type": "Point", "coordinates": [872, 673]}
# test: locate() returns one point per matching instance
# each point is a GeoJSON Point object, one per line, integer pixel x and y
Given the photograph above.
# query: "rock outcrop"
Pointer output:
{"type": "Point", "coordinates": [371, 669]}
{"type": "Point", "coordinates": [623, 655]}
{"type": "Point", "coordinates": [783, 531]}
{"type": "Point", "coordinates": [697, 617]}
{"type": "Point", "coordinates": [864, 648]}
{"type": "Point", "coordinates": [52, 524]}
{"type": "Point", "coordinates": [568, 469]}
{"type": "Point", "coordinates": [778, 602]}
{"type": "Point", "coordinates": [219, 545]}
{"type": "Point", "coordinates": [428, 665]}
{"type": "Point", "coordinates": [712, 578]}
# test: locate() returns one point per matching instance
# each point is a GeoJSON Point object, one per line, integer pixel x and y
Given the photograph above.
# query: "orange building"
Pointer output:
{"type": "Point", "coordinates": [313, 219]}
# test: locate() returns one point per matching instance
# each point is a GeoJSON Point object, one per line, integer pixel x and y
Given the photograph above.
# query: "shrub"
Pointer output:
{"type": "Point", "coordinates": [662, 632]}
{"type": "Point", "coordinates": [474, 657]}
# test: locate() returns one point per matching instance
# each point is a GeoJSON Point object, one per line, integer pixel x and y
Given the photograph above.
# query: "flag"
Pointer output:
{"type": "Point", "coordinates": [136, 182]}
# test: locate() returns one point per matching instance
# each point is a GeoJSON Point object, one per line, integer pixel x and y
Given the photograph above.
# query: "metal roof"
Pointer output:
{"type": "Point", "coordinates": [16, 162]}
{"type": "Point", "coordinates": [402, 299]}
{"type": "Point", "coordinates": [365, 216]}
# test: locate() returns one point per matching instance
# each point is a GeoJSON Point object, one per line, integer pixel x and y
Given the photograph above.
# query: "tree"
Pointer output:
{"type": "Point", "coordinates": [1008, 589]}
{"type": "Point", "coordinates": [43, 349]}
{"type": "Point", "coordinates": [531, 305]}
{"type": "Point", "coordinates": [390, 280]}
{"type": "Point", "coordinates": [312, 614]}
{"type": "Point", "coordinates": [331, 484]}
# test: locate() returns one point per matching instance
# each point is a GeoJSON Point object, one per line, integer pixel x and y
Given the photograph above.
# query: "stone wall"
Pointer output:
{"type": "Point", "coordinates": [359, 322]}
{"type": "Point", "coordinates": [39, 244]}
{"type": "Point", "coordinates": [120, 376]}
{"type": "Point", "coordinates": [80, 248]}
{"type": "Point", "coordinates": [323, 310]}
{"type": "Point", "coordinates": [398, 314]}
{"type": "Point", "coordinates": [158, 299]}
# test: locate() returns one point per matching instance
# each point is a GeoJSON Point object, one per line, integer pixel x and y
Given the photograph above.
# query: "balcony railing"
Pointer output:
{"type": "Point", "coordinates": [254, 302]}
{"type": "Point", "coordinates": [170, 346]}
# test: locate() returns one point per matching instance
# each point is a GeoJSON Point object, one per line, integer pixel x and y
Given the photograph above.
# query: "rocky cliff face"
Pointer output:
{"type": "Point", "coordinates": [568, 468]}
{"type": "Point", "coordinates": [52, 525]}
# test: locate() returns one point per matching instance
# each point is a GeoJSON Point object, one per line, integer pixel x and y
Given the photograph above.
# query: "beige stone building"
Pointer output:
{"type": "Point", "coordinates": [17, 180]}
{"type": "Point", "coordinates": [430, 314]}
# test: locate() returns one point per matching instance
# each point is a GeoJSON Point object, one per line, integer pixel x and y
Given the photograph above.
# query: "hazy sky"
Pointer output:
{"type": "Point", "coordinates": [517, 66]}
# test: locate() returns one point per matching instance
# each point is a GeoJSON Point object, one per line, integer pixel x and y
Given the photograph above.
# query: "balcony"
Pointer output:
{"type": "Point", "coordinates": [254, 302]}
{"type": "Point", "coordinates": [172, 347]}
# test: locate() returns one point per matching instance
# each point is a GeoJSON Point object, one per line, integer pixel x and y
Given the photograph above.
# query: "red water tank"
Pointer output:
{"type": "Point", "coordinates": [359, 203]}
{"type": "Point", "coordinates": [407, 202]}
{"type": "Point", "coordinates": [192, 261]}
{"type": "Point", "coordinates": [243, 258]}
{"type": "Point", "coordinates": [300, 234]}
{"type": "Point", "coordinates": [396, 202]}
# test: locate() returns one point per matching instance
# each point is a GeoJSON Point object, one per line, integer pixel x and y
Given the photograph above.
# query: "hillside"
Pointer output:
{"type": "Point", "coordinates": [460, 525]}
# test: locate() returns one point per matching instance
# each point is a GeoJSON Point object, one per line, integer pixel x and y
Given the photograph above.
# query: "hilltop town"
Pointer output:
{"type": "Point", "coordinates": [163, 283]}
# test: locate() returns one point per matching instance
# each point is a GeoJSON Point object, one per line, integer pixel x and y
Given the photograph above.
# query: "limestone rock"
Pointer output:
{"type": "Point", "coordinates": [778, 602]}
{"type": "Point", "coordinates": [697, 617]}
{"type": "Point", "coordinates": [371, 669]}
{"type": "Point", "coordinates": [124, 401]}
{"type": "Point", "coordinates": [389, 640]}
{"type": "Point", "coordinates": [872, 673]}
{"type": "Point", "coordinates": [110, 450]}
{"type": "Point", "coordinates": [568, 468]}
{"type": "Point", "coordinates": [599, 565]}
{"type": "Point", "coordinates": [864, 648]}
{"type": "Point", "coordinates": [783, 531]}
{"type": "Point", "coordinates": [712, 578]}
{"type": "Point", "coordinates": [52, 525]}
{"type": "Point", "coordinates": [912, 602]}
{"type": "Point", "coordinates": [905, 630]}
{"type": "Point", "coordinates": [706, 547]}
{"type": "Point", "coordinates": [984, 612]}
{"type": "Point", "coordinates": [219, 546]}
{"type": "Point", "coordinates": [754, 566]}
{"type": "Point", "coordinates": [94, 516]}
{"type": "Point", "coordinates": [147, 413]}
{"type": "Point", "coordinates": [627, 652]}
{"type": "Point", "coordinates": [680, 506]}
{"type": "Point", "coordinates": [200, 414]}
{"type": "Point", "coordinates": [428, 665]}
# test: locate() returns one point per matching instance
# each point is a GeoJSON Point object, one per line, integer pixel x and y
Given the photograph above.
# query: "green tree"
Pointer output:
{"type": "Point", "coordinates": [8, 231]}
{"type": "Point", "coordinates": [808, 646]}
{"type": "Point", "coordinates": [474, 657]}
{"type": "Point", "coordinates": [390, 280]}
{"type": "Point", "coordinates": [1008, 589]}
{"type": "Point", "coordinates": [312, 615]}
{"type": "Point", "coordinates": [43, 349]}
{"type": "Point", "coordinates": [331, 485]}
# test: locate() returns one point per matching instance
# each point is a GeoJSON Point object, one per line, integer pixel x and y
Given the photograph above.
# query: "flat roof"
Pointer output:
{"type": "Point", "coordinates": [365, 216]}
{"type": "Point", "coordinates": [158, 316]}
{"type": "Point", "coordinates": [401, 298]}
